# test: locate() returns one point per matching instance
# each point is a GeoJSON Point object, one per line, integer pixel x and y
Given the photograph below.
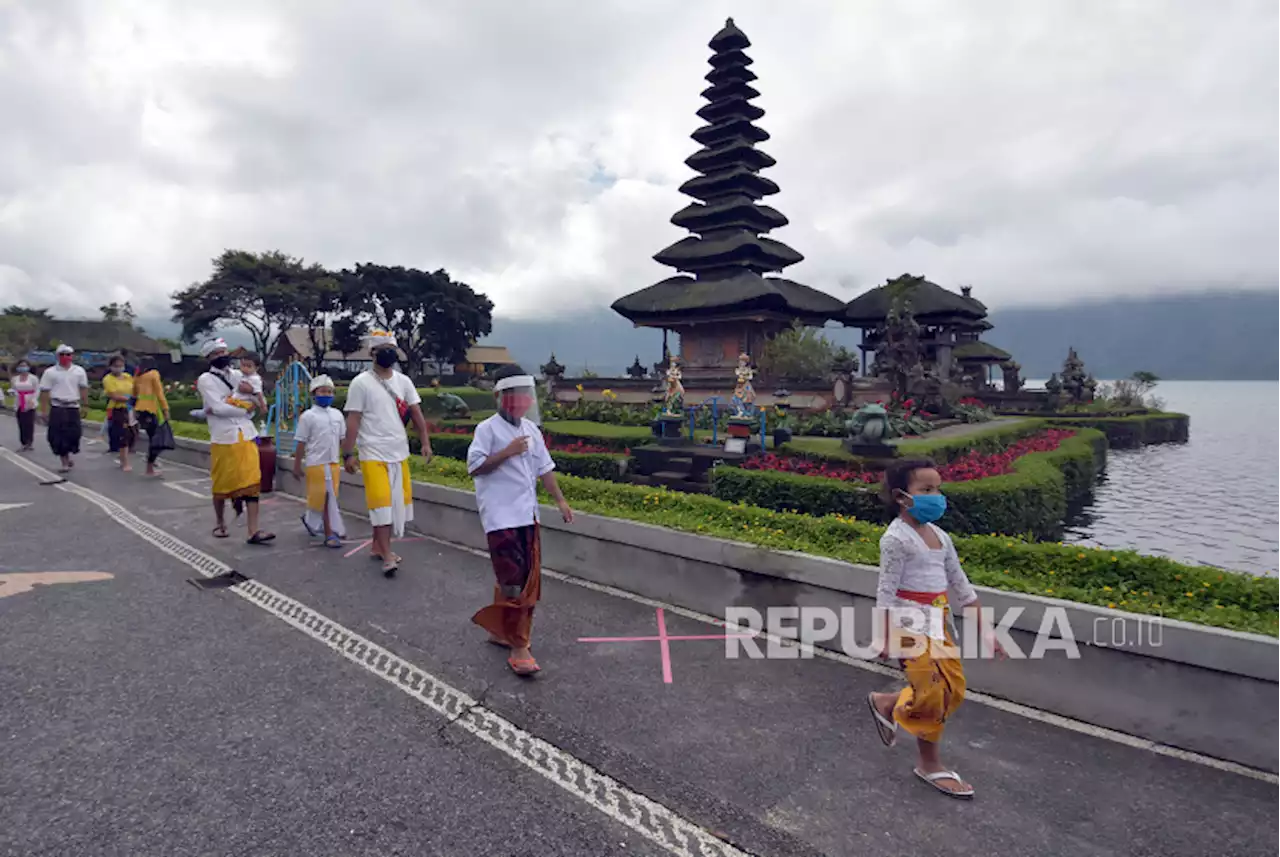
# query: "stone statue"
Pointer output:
{"type": "Point", "coordinates": [674, 396]}
{"type": "Point", "coordinates": [744, 395]}
{"type": "Point", "coordinates": [1075, 383]}
{"type": "Point", "coordinates": [1012, 380]}
{"type": "Point", "coordinates": [869, 426]}
{"type": "Point", "coordinates": [636, 370]}
{"type": "Point", "coordinates": [454, 406]}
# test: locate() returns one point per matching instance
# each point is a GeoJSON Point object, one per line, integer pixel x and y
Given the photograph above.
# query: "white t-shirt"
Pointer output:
{"type": "Point", "coordinates": [64, 385]}
{"type": "Point", "coordinates": [256, 381]}
{"type": "Point", "coordinates": [322, 430]}
{"type": "Point", "coordinates": [382, 433]}
{"type": "Point", "coordinates": [28, 384]}
{"type": "Point", "coordinates": [508, 496]}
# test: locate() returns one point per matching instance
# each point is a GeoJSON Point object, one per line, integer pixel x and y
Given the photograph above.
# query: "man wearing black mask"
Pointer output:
{"type": "Point", "coordinates": [233, 452]}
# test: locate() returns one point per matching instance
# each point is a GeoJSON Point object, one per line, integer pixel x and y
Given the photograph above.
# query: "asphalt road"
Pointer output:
{"type": "Point", "coordinates": [144, 716]}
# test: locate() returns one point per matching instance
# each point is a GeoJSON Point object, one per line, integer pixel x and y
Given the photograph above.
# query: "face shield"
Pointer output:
{"type": "Point", "coordinates": [518, 398]}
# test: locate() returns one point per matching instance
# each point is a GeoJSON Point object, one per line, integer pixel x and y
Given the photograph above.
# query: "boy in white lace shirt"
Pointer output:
{"type": "Point", "coordinates": [918, 568]}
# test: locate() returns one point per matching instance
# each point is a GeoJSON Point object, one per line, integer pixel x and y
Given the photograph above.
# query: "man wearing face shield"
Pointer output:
{"type": "Point", "coordinates": [507, 458]}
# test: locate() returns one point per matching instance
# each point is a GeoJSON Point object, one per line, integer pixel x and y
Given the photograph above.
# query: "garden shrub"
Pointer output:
{"type": "Point", "coordinates": [590, 465]}
{"type": "Point", "coordinates": [1134, 431]}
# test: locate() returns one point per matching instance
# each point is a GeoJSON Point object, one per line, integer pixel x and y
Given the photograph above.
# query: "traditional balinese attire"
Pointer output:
{"type": "Point", "coordinates": [25, 389]}
{"type": "Point", "coordinates": [507, 498]}
{"type": "Point", "coordinates": [914, 585]}
{"type": "Point", "coordinates": [383, 443]}
{"type": "Point", "coordinates": [120, 433]}
{"type": "Point", "coordinates": [151, 408]}
{"type": "Point", "coordinates": [64, 386]}
{"type": "Point", "coordinates": [322, 430]}
{"type": "Point", "coordinates": [232, 451]}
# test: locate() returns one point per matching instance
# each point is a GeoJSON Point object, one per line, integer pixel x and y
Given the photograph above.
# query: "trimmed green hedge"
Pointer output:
{"type": "Point", "coordinates": [1135, 431]}
{"type": "Point", "coordinates": [1123, 580]}
{"type": "Point", "coordinates": [589, 465]}
{"type": "Point", "coordinates": [1032, 500]}
{"type": "Point", "coordinates": [619, 438]}
{"type": "Point", "coordinates": [991, 438]}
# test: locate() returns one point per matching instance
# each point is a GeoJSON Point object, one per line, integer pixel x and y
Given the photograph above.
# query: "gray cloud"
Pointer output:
{"type": "Point", "coordinates": [1040, 151]}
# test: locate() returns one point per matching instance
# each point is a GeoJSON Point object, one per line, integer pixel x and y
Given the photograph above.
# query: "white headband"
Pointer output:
{"type": "Point", "coordinates": [211, 346]}
{"type": "Point", "coordinates": [321, 381]}
{"type": "Point", "coordinates": [66, 349]}
{"type": "Point", "coordinates": [514, 381]}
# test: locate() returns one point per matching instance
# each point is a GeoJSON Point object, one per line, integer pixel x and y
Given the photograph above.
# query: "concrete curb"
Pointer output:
{"type": "Point", "coordinates": [1198, 688]}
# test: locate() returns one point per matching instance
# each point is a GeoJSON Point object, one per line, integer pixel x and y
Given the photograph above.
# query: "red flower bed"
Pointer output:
{"type": "Point", "coordinates": [576, 446]}
{"type": "Point", "coordinates": [974, 465]}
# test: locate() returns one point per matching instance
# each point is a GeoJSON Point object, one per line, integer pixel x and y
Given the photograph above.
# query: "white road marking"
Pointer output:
{"type": "Point", "coordinates": [185, 490]}
{"type": "Point", "coordinates": [4, 507]}
{"type": "Point", "coordinates": [1047, 717]}
{"type": "Point", "coordinates": [646, 817]}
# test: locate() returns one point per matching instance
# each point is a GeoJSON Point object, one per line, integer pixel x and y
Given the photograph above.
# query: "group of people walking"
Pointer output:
{"type": "Point", "coordinates": [919, 567]}
{"type": "Point", "coordinates": [60, 395]}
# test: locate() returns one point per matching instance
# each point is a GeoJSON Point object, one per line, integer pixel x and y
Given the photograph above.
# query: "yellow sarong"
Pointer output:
{"type": "Point", "coordinates": [235, 470]}
{"type": "Point", "coordinates": [935, 690]}
{"type": "Point", "coordinates": [323, 481]}
{"type": "Point", "coordinates": [388, 493]}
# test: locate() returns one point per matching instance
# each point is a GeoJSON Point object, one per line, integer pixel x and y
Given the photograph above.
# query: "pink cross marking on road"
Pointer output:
{"type": "Point", "coordinates": [364, 544]}
{"type": "Point", "coordinates": [663, 640]}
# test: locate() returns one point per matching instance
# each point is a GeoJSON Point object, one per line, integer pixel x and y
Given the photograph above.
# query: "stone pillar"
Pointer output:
{"type": "Point", "coordinates": [944, 361]}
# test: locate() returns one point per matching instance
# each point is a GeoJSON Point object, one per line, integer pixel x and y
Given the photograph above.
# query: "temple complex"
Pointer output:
{"type": "Point", "coordinates": [721, 303]}
{"type": "Point", "coordinates": [951, 326]}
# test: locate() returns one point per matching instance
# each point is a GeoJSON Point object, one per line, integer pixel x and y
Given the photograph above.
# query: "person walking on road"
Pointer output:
{"type": "Point", "coordinates": [151, 407]}
{"type": "Point", "coordinates": [117, 384]}
{"type": "Point", "coordinates": [321, 430]}
{"type": "Point", "coordinates": [918, 567]}
{"type": "Point", "coordinates": [232, 451]}
{"type": "Point", "coordinates": [25, 389]}
{"type": "Point", "coordinates": [64, 394]}
{"type": "Point", "coordinates": [507, 458]}
{"type": "Point", "coordinates": [380, 403]}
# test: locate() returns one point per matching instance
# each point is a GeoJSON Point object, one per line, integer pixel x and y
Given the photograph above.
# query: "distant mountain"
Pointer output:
{"type": "Point", "coordinates": [1231, 336]}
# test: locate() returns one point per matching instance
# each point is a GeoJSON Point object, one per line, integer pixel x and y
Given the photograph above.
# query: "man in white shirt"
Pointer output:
{"type": "Point", "coordinates": [233, 451]}
{"type": "Point", "coordinates": [64, 394]}
{"type": "Point", "coordinates": [380, 401]}
{"type": "Point", "coordinates": [507, 458]}
{"type": "Point", "coordinates": [321, 430]}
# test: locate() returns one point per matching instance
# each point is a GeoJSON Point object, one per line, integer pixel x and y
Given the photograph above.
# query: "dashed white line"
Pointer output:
{"type": "Point", "coordinates": [647, 817]}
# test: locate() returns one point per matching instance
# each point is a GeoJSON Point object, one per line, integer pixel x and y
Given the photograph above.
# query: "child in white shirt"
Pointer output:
{"type": "Point", "coordinates": [321, 430]}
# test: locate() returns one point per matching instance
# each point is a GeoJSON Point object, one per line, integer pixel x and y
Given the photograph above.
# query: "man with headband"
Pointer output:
{"type": "Point", "coordinates": [507, 458]}
{"type": "Point", "coordinates": [64, 394]}
{"type": "Point", "coordinates": [380, 402]}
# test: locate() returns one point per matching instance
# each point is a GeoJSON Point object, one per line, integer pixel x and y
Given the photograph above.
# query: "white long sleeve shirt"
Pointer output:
{"type": "Point", "coordinates": [227, 423]}
{"type": "Point", "coordinates": [907, 563]}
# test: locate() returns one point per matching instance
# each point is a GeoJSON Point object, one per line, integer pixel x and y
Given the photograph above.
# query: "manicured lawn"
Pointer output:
{"type": "Point", "coordinates": [586, 428]}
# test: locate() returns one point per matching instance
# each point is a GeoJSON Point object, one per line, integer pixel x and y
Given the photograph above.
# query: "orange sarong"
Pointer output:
{"type": "Point", "coordinates": [516, 555]}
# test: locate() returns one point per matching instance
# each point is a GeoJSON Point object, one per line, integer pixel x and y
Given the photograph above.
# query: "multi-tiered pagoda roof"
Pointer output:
{"type": "Point", "coordinates": [725, 261]}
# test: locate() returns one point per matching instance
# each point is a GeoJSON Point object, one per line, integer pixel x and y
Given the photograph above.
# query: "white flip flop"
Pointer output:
{"type": "Point", "coordinates": [887, 730]}
{"type": "Point", "coordinates": [932, 779]}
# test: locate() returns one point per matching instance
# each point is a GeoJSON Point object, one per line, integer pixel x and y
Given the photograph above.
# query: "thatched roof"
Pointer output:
{"type": "Point", "coordinates": [928, 301]}
{"type": "Point", "coordinates": [743, 291]}
{"type": "Point", "coordinates": [980, 351]}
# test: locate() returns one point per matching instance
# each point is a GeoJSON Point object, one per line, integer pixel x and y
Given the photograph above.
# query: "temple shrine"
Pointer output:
{"type": "Point", "coordinates": [722, 303]}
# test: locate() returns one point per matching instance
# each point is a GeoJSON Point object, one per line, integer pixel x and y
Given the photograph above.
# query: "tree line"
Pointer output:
{"type": "Point", "coordinates": [433, 316]}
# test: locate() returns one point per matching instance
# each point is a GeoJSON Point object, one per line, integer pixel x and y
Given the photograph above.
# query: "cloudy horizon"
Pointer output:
{"type": "Point", "coordinates": [1043, 153]}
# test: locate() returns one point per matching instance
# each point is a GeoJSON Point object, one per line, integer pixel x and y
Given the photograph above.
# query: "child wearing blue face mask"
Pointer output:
{"type": "Point", "coordinates": [920, 582]}
{"type": "Point", "coordinates": [321, 430]}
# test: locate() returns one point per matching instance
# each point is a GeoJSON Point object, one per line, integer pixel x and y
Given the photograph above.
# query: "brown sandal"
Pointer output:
{"type": "Point", "coordinates": [523, 666]}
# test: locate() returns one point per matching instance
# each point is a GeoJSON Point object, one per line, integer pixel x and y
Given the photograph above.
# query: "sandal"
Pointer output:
{"type": "Point", "coordinates": [220, 532]}
{"type": "Point", "coordinates": [523, 666]}
{"type": "Point", "coordinates": [333, 542]}
{"type": "Point", "coordinates": [496, 641]}
{"type": "Point", "coordinates": [965, 793]}
{"type": "Point", "coordinates": [887, 730]}
{"type": "Point", "coordinates": [307, 526]}
{"type": "Point", "coordinates": [390, 567]}
{"type": "Point", "coordinates": [261, 538]}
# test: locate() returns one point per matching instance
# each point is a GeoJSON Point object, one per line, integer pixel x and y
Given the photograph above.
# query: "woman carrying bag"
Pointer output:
{"type": "Point", "coordinates": [152, 410]}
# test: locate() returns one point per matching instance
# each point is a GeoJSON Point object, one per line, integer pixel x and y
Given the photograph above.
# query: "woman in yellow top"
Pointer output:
{"type": "Point", "coordinates": [151, 407]}
{"type": "Point", "coordinates": [118, 385]}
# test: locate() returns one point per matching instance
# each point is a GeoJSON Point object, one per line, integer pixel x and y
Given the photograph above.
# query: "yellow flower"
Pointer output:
{"type": "Point", "coordinates": [1052, 571]}
{"type": "Point", "coordinates": [1079, 556]}
{"type": "Point", "coordinates": [1048, 590]}
{"type": "Point", "coordinates": [579, 388]}
{"type": "Point", "coordinates": [1111, 604]}
{"type": "Point", "coordinates": [1113, 559]}
{"type": "Point", "coordinates": [1106, 589]}
{"type": "Point", "coordinates": [1206, 585]}
{"type": "Point", "coordinates": [1008, 544]}
{"type": "Point", "coordinates": [1191, 595]}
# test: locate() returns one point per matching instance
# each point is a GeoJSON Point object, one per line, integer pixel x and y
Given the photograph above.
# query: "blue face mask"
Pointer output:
{"type": "Point", "coordinates": [927, 508]}
{"type": "Point", "coordinates": [324, 401]}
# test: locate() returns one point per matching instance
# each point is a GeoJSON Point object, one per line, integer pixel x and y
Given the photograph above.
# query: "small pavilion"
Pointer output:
{"type": "Point", "coordinates": [951, 326]}
{"type": "Point", "coordinates": [723, 302]}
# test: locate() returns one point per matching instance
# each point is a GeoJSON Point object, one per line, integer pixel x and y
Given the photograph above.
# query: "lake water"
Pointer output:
{"type": "Point", "coordinates": [1211, 501]}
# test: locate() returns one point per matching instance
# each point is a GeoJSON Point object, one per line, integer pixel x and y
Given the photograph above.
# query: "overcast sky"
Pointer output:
{"type": "Point", "coordinates": [1041, 151]}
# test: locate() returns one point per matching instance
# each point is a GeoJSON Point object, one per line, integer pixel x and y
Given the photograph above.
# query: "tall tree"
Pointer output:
{"type": "Point", "coordinates": [119, 312]}
{"type": "Point", "coordinates": [347, 334]}
{"type": "Point", "coordinates": [265, 293]}
{"type": "Point", "coordinates": [432, 315]}
{"type": "Point", "coordinates": [19, 334]}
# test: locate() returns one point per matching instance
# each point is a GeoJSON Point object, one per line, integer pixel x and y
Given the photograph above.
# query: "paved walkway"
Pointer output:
{"type": "Point", "coordinates": [320, 709]}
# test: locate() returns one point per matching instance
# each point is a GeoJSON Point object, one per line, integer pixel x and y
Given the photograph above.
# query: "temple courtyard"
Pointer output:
{"type": "Point", "coordinates": [319, 709]}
